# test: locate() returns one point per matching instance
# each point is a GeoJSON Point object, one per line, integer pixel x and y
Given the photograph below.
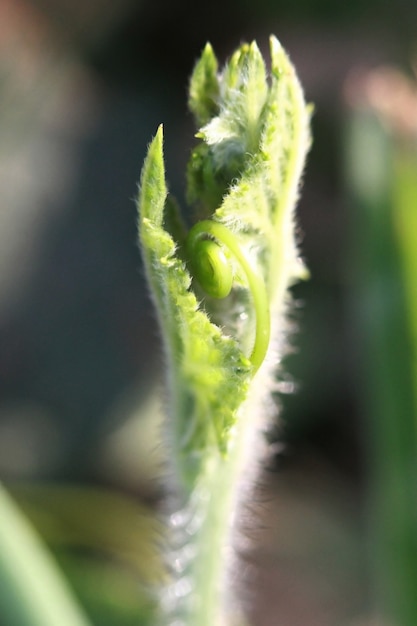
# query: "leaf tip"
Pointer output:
{"type": "Point", "coordinates": [159, 136]}
{"type": "Point", "coordinates": [277, 55]}
{"type": "Point", "coordinates": [274, 44]}
{"type": "Point", "coordinates": [208, 50]}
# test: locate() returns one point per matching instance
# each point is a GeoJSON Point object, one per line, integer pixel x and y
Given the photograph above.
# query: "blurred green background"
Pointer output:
{"type": "Point", "coordinates": [83, 87]}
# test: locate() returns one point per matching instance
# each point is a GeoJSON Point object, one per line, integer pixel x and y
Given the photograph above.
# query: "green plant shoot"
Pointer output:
{"type": "Point", "coordinates": [221, 294]}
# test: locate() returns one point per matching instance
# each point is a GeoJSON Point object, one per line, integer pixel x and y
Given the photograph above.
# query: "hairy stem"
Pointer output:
{"type": "Point", "coordinates": [207, 529]}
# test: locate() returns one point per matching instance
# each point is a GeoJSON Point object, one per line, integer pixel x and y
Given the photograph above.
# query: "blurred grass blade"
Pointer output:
{"type": "Point", "coordinates": [32, 591]}
{"type": "Point", "coordinates": [405, 200]}
{"type": "Point", "coordinates": [96, 520]}
{"type": "Point", "coordinates": [382, 174]}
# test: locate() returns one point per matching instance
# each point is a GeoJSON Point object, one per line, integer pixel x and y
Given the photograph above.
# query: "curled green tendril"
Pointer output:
{"type": "Point", "coordinates": [211, 267]}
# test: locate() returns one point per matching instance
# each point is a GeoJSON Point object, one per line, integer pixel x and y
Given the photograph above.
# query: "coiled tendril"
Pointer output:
{"type": "Point", "coordinates": [211, 267]}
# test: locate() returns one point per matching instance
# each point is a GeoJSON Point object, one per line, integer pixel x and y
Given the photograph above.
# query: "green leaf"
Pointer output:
{"type": "Point", "coordinates": [210, 373]}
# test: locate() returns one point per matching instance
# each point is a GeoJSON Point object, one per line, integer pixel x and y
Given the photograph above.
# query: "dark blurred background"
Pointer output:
{"type": "Point", "coordinates": [83, 87]}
